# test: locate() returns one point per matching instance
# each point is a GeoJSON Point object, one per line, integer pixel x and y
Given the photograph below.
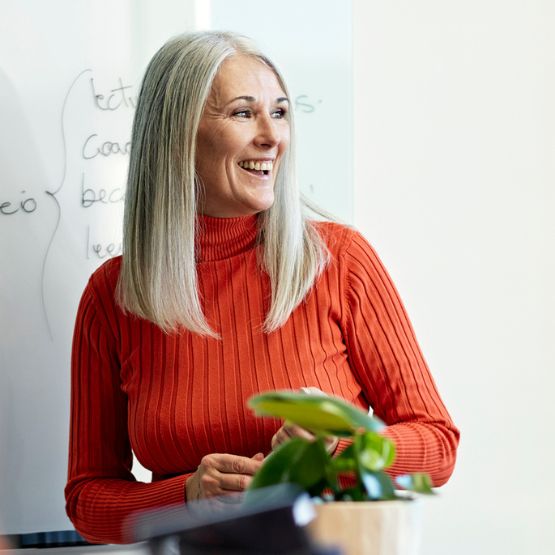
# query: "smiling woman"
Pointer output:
{"type": "Point", "coordinates": [226, 289]}
{"type": "Point", "coordinates": [242, 136]}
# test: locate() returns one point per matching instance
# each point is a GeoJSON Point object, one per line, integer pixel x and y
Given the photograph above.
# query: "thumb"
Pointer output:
{"type": "Point", "coordinates": [258, 457]}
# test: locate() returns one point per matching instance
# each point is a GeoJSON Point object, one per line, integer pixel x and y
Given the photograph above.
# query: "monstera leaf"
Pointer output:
{"type": "Point", "coordinates": [321, 415]}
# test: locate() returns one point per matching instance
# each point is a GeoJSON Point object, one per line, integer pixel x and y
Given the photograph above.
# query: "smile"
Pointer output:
{"type": "Point", "coordinates": [264, 166]}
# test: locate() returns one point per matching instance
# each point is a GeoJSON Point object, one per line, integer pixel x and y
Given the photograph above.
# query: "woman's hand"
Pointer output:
{"type": "Point", "coordinates": [287, 431]}
{"type": "Point", "coordinates": [221, 474]}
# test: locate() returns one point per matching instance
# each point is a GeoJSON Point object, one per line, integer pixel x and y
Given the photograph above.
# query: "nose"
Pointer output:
{"type": "Point", "coordinates": [267, 134]}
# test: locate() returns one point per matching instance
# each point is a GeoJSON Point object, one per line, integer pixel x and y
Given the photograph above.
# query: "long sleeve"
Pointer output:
{"type": "Point", "coordinates": [174, 398]}
{"type": "Point", "coordinates": [101, 492]}
{"type": "Point", "coordinates": [391, 369]}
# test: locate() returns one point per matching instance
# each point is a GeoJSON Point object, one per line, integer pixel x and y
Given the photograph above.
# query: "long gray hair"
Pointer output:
{"type": "Point", "coordinates": [158, 279]}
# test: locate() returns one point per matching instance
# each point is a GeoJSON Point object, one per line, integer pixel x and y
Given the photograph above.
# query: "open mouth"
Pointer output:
{"type": "Point", "coordinates": [256, 167]}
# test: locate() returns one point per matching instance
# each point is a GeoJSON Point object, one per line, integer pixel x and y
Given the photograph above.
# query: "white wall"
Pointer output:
{"type": "Point", "coordinates": [454, 185]}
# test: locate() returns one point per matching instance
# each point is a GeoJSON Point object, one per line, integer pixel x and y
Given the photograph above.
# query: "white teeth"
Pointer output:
{"type": "Point", "coordinates": [258, 166]}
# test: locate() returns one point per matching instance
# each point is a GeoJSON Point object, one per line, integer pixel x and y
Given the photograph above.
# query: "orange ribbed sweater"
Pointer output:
{"type": "Point", "coordinates": [175, 398]}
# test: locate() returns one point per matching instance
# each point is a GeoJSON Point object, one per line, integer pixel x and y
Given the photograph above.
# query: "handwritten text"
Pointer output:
{"type": "Point", "coordinates": [116, 98]}
{"type": "Point", "coordinates": [26, 205]}
{"type": "Point", "coordinates": [92, 147]}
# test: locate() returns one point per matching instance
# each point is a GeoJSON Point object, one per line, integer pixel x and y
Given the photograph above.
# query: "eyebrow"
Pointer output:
{"type": "Point", "coordinates": [252, 99]}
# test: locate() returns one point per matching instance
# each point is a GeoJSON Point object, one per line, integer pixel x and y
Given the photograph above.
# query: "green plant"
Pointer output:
{"type": "Point", "coordinates": [356, 474]}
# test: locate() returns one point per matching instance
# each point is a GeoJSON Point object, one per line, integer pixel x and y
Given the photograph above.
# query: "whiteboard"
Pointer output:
{"type": "Point", "coordinates": [70, 73]}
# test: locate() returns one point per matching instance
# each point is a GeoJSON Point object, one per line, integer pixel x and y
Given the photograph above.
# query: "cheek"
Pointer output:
{"type": "Point", "coordinates": [211, 162]}
{"type": "Point", "coordinates": [211, 150]}
{"type": "Point", "coordinates": [223, 151]}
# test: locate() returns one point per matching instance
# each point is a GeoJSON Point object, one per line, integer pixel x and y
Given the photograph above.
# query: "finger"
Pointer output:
{"type": "Point", "coordinates": [288, 431]}
{"type": "Point", "coordinates": [210, 483]}
{"type": "Point", "coordinates": [224, 462]}
{"type": "Point", "coordinates": [219, 484]}
{"type": "Point", "coordinates": [235, 464]}
{"type": "Point", "coordinates": [285, 433]}
{"type": "Point", "coordinates": [234, 482]}
{"type": "Point", "coordinates": [280, 437]}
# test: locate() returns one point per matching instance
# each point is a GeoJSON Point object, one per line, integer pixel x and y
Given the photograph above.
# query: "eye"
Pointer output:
{"type": "Point", "coordinates": [280, 113]}
{"type": "Point", "coordinates": [243, 113]}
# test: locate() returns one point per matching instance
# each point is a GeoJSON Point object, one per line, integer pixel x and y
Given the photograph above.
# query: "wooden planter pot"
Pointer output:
{"type": "Point", "coordinates": [369, 528]}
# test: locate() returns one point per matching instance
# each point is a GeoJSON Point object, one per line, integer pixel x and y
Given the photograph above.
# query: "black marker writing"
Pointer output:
{"type": "Point", "coordinates": [117, 98]}
{"type": "Point", "coordinates": [27, 205]}
{"type": "Point", "coordinates": [101, 251]}
{"type": "Point", "coordinates": [90, 196]}
{"type": "Point", "coordinates": [92, 147]}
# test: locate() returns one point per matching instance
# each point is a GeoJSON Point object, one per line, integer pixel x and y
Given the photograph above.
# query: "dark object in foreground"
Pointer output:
{"type": "Point", "coordinates": [270, 522]}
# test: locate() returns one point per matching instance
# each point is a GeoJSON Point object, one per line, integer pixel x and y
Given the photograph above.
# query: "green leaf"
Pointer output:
{"type": "Point", "coordinates": [375, 452]}
{"type": "Point", "coordinates": [276, 467]}
{"type": "Point", "coordinates": [320, 414]}
{"type": "Point", "coordinates": [310, 466]}
{"type": "Point", "coordinates": [345, 461]}
{"type": "Point", "coordinates": [343, 465]}
{"type": "Point", "coordinates": [297, 461]}
{"type": "Point", "coordinates": [419, 482]}
{"type": "Point", "coordinates": [378, 485]}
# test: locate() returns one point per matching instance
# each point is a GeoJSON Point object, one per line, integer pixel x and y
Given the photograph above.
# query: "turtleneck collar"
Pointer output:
{"type": "Point", "coordinates": [221, 238]}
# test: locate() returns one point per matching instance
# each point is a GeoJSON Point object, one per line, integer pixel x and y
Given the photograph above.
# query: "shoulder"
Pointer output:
{"type": "Point", "coordinates": [352, 255]}
{"type": "Point", "coordinates": [98, 305]}
{"type": "Point", "coordinates": [104, 279]}
{"type": "Point", "coordinates": [341, 239]}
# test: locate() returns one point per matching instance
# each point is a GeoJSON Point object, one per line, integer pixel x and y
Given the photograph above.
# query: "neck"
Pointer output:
{"type": "Point", "coordinates": [221, 238]}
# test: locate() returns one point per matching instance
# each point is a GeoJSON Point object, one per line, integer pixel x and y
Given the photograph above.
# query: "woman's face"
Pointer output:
{"type": "Point", "coordinates": [243, 133]}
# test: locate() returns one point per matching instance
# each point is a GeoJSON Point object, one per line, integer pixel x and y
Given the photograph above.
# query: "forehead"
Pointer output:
{"type": "Point", "coordinates": [242, 75]}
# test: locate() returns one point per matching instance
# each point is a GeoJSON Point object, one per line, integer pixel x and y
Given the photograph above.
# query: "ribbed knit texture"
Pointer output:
{"type": "Point", "coordinates": [175, 398]}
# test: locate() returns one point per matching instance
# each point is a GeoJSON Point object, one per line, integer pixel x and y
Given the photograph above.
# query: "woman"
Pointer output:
{"type": "Point", "coordinates": [225, 289]}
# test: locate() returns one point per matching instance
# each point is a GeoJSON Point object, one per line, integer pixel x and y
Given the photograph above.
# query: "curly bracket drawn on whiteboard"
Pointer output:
{"type": "Point", "coordinates": [52, 195]}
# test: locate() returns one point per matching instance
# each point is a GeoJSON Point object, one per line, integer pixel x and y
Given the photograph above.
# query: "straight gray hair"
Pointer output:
{"type": "Point", "coordinates": [158, 278]}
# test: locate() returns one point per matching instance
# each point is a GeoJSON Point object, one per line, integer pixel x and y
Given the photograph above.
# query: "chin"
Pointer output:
{"type": "Point", "coordinates": [263, 206]}
{"type": "Point", "coordinates": [258, 203]}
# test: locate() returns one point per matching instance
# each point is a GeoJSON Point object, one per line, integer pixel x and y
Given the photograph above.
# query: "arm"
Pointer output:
{"type": "Point", "coordinates": [101, 492]}
{"type": "Point", "coordinates": [391, 369]}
